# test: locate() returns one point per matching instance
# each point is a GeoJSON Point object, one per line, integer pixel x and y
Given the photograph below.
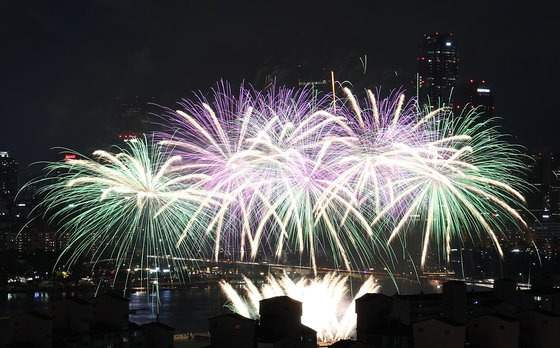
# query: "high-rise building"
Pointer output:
{"type": "Point", "coordinates": [134, 118]}
{"type": "Point", "coordinates": [553, 197]}
{"type": "Point", "coordinates": [535, 163]}
{"type": "Point", "coordinates": [20, 241]}
{"type": "Point", "coordinates": [438, 67]}
{"type": "Point", "coordinates": [316, 77]}
{"type": "Point", "coordinates": [479, 95]}
{"type": "Point", "coordinates": [8, 182]}
{"type": "Point", "coordinates": [543, 174]}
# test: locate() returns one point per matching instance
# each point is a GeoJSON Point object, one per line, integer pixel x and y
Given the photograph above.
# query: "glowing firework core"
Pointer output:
{"type": "Point", "coordinates": [328, 306]}
{"type": "Point", "coordinates": [284, 170]}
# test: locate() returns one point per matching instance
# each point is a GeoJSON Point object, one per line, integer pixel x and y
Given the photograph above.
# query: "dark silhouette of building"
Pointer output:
{"type": "Point", "coordinates": [157, 335]}
{"type": "Point", "coordinates": [31, 329]}
{"type": "Point", "coordinates": [438, 67]}
{"type": "Point", "coordinates": [8, 182]}
{"type": "Point", "coordinates": [553, 194]}
{"type": "Point", "coordinates": [279, 326]}
{"type": "Point", "coordinates": [493, 331]}
{"type": "Point", "coordinates": [410, 308]}
{"type": "Point", "coordinates": [543, 199]}
{"type": "Point", "coordinates": [438, 333]}
{"type": "Point", "coordinates": [455, 301]}
{"type": "Point", "coordinates": [536, 176]}
{"type": "Point", "coordinates": [478, 95]}
{"type": "Point", "coordinates": [504, 315]}
{"type": "Point", "coordinates": [133, 118]}
{"type": "Point", "coordinates": [538, 328]}
{"type": "Point", "coordinates": [76, 323]}
{"type": "Point", "coordinates": [375, 324]}
{"type": "Point", "coordinates": [110, 311]}
{"type": "Point", "coordinates": [349, 344]}
{"type": "Point", "coordinates": [315, 77]}
{"type": "Point", "coordinates": [232, 330]}
{"type": "Point", "coordinates": [281, 317]}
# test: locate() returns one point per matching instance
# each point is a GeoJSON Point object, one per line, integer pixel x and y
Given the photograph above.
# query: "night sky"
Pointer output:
{"type": "Point", "coordinates": [63, 63]}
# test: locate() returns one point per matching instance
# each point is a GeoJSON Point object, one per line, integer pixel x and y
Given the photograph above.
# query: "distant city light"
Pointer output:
{"type": "Point", "coordinates": [448, 44]}
{"type": "Point", "coordinates": [483, 90]}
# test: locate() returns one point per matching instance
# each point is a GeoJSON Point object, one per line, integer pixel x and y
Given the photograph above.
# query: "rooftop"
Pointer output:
{"type": "Point", "coordinates": [499, 316]}
{"type": "Point", "coordinates": [113, 296]}
{"type": "Point", "coordinates": [540, 311]}
{"type": "Point", "coordinates": [421, 296]}
{"type": "Point", "coordinates": [75, 300]}
{"type": "Point", "coordinates": [234, 316]}
{"type": "Point", "coordinates": [280, 299]}
{"type": "Point", "coordinates": [371, 295]}
{"type": "Point", "coordinates": [35, 314]}
{"type": "Point", "coordinates": [159, 325]}
{"type": "Point", "coordinates": [443, 320]}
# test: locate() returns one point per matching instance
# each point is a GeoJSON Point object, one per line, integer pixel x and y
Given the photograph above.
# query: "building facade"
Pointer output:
{"type": "Point", "coordinates": [438, 69]}
{"type": "Point", "coordinates": [479, 97]}
{"type": "Point", "coordinates": [8, 182]}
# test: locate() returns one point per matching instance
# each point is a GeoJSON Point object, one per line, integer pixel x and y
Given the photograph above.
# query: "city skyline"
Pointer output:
{"type": "Point", "coordinates": [260, 174]}
{"type": "Point", "coordinates": [67, 93]}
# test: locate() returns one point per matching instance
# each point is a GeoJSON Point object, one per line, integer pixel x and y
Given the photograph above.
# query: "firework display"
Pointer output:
{"type": "Point", "coordinates": [327, 306]}
{"type": "Point", "coordinates": [124, 206]}
{"type": "Point", "coordinates": [307, 174]}
{"type": "Point", "coordinates": [283, 170]}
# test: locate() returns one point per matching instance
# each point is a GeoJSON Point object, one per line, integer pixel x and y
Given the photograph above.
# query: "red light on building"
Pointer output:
{"type": "Point", "coordinates": [69, 156]}
{"type": "Point", "coordinates": [471, 81]}
{"type": "Point", "coordinates": [126, 136]}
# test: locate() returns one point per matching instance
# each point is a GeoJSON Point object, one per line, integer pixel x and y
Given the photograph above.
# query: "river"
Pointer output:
{"type": "Point", "coordinates": [187, 309]}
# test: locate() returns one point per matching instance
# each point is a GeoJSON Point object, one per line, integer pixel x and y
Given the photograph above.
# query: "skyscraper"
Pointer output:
{"type": "Point", "coordinates": [438, 66]}
{"type": "Point", "coordinates": [479, 95]}
{"type": "Point", "coordinates": [317, 77]}
{"type": "Point", "coordinates": [8, 181]}
{"type": "Point", "coordinates": [543, 173]}
{"type": "Point", "coordinates": [536, 177]}
{"type": "Point", "coordinates": [134, 118]}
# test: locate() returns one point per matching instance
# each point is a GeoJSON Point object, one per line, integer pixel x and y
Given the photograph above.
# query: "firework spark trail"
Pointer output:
{"type": "Point", "coordinates": [304, 174]}
{"type": "Point", "coordinates": [467, 174]}
{"type": "Point", "coordinates": [108, 204]}
{"type": "Point", "coordinates": [278, 171]}
{"type": "Point", "coordinates": [328, 307]}
{"type": "Point", "coordinates": [286, 170]}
